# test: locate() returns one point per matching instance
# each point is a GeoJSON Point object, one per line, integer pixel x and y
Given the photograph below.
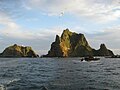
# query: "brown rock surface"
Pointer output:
{"type": "Point", "coordinates": [71, 44]}
{"type": "Point", "coordinates": [18, 51]}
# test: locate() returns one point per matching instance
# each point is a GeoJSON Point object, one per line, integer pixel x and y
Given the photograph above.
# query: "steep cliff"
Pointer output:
{"type": "Point", "coordinates": [71, 44]}
{"type": "Point", "coordinates": [18, 51]}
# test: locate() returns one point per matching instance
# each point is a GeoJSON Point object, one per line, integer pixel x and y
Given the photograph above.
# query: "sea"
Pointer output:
{"type": "Point", "coordinates": [59, 74]}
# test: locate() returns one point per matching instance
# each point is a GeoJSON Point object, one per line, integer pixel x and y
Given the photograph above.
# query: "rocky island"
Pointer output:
{"type": "Point", "coordinates": [72, 44]}
{"type": "Point", "coordinates": [18, 51]}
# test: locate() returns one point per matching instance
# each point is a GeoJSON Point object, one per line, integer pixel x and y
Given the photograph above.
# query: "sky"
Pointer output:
{"type": "Point", "coordinates": [35, 23]}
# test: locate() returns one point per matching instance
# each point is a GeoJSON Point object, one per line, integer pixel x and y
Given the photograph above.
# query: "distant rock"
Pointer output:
{"type": "Point", "coordinates": [18, 51]}
{"type": "Point", "coordinates": [71, 44]}
{"type": "Point", "coordinates": [103, 51]}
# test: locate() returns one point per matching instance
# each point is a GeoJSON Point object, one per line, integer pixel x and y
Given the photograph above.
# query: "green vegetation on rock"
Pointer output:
{"type": "Point", "coordinates": [18, 51]}
{"type": "Point", "coordinates": [71, 44]}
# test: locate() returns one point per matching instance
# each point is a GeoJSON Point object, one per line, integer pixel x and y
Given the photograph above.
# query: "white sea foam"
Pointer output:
{"type": "Point", "coordinates": [2, 87]}
{"type": "Point", "coordinates": [79, 61]}
{"type": "Point", "coordinates": [11, 81]}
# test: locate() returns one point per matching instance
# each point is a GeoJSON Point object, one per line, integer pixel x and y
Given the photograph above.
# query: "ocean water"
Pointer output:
{"type": "Point", "coordinates": [59, 74]}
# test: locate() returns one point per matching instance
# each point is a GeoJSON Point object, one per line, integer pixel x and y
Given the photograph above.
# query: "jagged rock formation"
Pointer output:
{"type": "Point", "coordinates": [18, 51]}
{"type": "Point", "coordinates": [71, 44]}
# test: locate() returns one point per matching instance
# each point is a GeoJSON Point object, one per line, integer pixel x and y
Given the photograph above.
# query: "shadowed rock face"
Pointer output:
{"type": "Point", "coordinates": [103, 51]}
{"type": "Point", "coordinates": [18, 51]}
{"type": "Point", "coordinates": [71, 44]}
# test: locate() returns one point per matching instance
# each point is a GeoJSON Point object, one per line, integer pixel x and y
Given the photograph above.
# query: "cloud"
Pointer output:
{"type": "Point", "coordinates": [11, 29]}
{"type": "Point", "coordinates": [99, 10]}
{"type": "Point", "coordinates": [13, 8]}
{"type": "Point", "coordinates": [109, 36]}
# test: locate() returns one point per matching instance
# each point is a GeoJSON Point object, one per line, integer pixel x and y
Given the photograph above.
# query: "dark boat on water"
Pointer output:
{"type": "Point", "coordinates": [90, 58]}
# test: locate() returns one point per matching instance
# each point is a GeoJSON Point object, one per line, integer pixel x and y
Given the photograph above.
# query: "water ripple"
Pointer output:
{"type": "Point", "coordinates": [59, 74]}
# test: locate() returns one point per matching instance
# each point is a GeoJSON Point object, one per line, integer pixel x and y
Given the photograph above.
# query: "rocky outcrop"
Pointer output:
{"type": "Point", "coordinates": [71, 44]}
{"type": "Point", "coordinates": [18, 51]}
{"type": "Point", "coordinates": [103, 51]}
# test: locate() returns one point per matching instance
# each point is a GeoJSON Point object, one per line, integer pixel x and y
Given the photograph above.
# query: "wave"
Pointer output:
{"type": "Point", "coordinates": [11, 81]}
{"type": "Point", "coordinates": [2, 87]}
{"type": "Point", "coordinates": [78, 61]}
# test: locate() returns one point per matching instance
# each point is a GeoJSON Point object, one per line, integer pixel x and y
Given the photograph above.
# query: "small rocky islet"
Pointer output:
{"type": "Point", "coordinates": [69, 44]}
{"type": "Point", "coordinates": [18, 51]}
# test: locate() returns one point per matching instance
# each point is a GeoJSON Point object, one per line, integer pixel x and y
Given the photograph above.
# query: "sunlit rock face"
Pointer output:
{"type": "Point", "coordinates": [72, 44]}
{"type": "Point", "coordinates": [18, 51]}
